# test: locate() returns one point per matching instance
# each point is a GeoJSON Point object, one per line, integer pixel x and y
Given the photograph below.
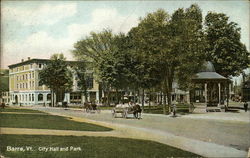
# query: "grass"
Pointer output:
{"type": "Point", "coordinates": [94, 147]}
{"type": "Point", "coordinates": [181, 109]}
{"type": "Point", "coordinates": [46, 122]}
{"type": "Point", "coordinates": [7, 109]}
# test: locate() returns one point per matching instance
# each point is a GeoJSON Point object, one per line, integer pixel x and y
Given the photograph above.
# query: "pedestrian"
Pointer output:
{"type": "Point", "coordinates": [245, 106]}
{"type": "Point", "coordinates": [3, 105]}
{"type": "Point", "coordinates": [174, 108]}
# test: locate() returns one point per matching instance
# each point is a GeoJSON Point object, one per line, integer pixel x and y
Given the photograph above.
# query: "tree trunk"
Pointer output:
{"type": "Point", "coordinates": [161, 97]}
{"type": "Point", "coordinates": [149, 103]}
{"type": "Point", "coordinates": [164, 103]}
{"type": "Point", "coordinates": [134, 96]}
{"type": "Point", "coordinates": [108, 97]}
{"type": "Point", "coordinates": [143, 99]}
{"type": "Point", "coordinates": [116, 96]}
{"type": "Point", "coordinates": [52, 98]}
{"type": "Point", "coordinates": [138, 95]}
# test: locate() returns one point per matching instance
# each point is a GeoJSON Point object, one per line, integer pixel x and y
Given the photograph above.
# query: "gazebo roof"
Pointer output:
{"type": "Point", "coordinates": [208, 73]}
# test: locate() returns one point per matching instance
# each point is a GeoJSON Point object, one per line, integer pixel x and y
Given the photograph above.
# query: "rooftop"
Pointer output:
{"type": "Point", "coordinates": [38, 61]}
{"type": "Point", "coordinates": [208, 73]}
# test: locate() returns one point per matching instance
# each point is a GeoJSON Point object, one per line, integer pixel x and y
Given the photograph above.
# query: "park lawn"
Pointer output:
{"type": "Point", "coordinates": [46, 122]}
{"type": "Point", "coordinates": [8, 109]}
{"type": "Point", "coordinates": [103, 147]}
{"type": "Point", "coordinates": [181, 109]}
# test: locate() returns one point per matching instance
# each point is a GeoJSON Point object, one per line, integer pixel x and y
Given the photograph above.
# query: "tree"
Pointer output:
{"type": "Point", "coordinates": [57, 77]}
{"type": "Point", "coordinates": [82, 78]}
{"type": "Point", "coordinates": [99, 48]}
{"type": "Point", "coordinates": [168, 46]}
{"type": "Point", "coordinates": [225, 50]}
{"type": "Point", "coordinates": [146, 43]}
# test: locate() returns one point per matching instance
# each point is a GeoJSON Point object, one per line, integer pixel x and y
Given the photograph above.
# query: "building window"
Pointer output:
{"type": "Point", "coordinates": [40, 65]}
{"type": "Point", "coordinates": [90, 81]}
{"type": "Point", "coordinates": [29, 97]}
{"type": "Point", "coordinates": [32, 97]}
{"type": "Point", "coordinates": [20, 85]}
{"type": "Point", "coordinates": [26, 85]}
{"type": "Point", "coordinates": [48, 97]}
{"type": "Point", "coordinates": [16, 86]}
{"type": "Point", "coordinates": [31, 66]}
{"type": "Point", "coordinates": [26, 76]}
{"type": "Point", "coordinates": [40, 97]}
{"type": "Point", "coordinates": [23, 85]}
{"type": "Point", "coordinates": [26, 97]}
{"type": "Point", "coordinates": [32, 74]}
{"type": "Point", "coordinates": [17, 78]}
{"type": "Point", "coordinates": [33, 84]}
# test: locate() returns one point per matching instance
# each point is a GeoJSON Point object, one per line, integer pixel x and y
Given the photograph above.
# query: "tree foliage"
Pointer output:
{"type": "Point", "coordinates": [56, 76]}
{"type": "Point", "coordinates": [169, 47]}
{"type": "Point", "coordinates": [163, 49]}
{"type": "Point", "coordinates": [224, 49]}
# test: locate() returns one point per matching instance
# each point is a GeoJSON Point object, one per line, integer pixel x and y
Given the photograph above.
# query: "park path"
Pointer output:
{"type": "Point", "coordinates": [207, 149]}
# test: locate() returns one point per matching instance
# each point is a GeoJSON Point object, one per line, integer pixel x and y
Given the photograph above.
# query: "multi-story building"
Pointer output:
{"type": "Point", "coordinates": [4, 86]}
{"type": "Point", "coordinates": [24, 87]}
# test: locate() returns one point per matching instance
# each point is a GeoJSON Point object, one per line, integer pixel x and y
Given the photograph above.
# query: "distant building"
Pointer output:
{"type": "Point", "coordinates": [4, 86]}
{"type": "Point", "coordinates": [246, 91]}
{"type": "Point", "coordinates": [24, 85]}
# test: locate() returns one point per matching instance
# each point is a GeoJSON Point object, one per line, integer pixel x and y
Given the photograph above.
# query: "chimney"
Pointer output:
{"type": "Point", "coordinates": [22, 60]}
{"type": "Point", "coordinates": [28, 58]}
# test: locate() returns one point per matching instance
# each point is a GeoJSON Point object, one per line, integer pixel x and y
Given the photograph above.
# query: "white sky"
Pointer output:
{"type": "Point", "coordinates": [38, 29]}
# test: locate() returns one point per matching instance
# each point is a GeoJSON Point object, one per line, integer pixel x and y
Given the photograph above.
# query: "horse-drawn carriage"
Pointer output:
{"type": "Point", "coordinates": [127, 109]}
{"type": "Point", "coordinates": [91, 107]}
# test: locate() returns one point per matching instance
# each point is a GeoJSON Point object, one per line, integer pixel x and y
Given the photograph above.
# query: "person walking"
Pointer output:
{"type": "Point", "coordinates": [174, 108]}
{"type": "Point", "coordinates": [245, 106]}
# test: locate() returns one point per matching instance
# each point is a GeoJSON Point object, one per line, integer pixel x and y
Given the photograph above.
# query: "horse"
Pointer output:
{"type": "Point", "coordinates": [90, 106]}
{"type": "Point", "coordinates": [136, 111]}
{"type": "Point", "coordinates": [87, 106]}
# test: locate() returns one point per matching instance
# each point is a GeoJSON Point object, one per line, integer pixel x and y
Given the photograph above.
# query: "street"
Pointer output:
{"type": "Point", "coordinates": [215, 130]}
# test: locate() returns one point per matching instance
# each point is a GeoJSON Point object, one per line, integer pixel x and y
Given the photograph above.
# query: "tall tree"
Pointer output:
{"type": "Point", "coordinates": [57, 77]}
{"type": "Point", "coordinates": [82, 78]}
{"type": "Point", "coordinates": [225, 50]}
{"type": "Point", "coordinates": [99, 48]}
{"type": "Point", "coordinates": [189, 43]}
{"type": "Point", "coordinates": [167, 46]}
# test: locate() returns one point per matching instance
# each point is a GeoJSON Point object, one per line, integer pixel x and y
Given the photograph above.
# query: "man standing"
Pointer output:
{"type": "Point", "coordinates": [245, 106]}
{"type": "Point", "coordinates": [174, 108]}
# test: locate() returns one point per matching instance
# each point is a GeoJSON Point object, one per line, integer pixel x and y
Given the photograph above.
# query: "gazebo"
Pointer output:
{"type": "Point", "coordinates": [211, 90]}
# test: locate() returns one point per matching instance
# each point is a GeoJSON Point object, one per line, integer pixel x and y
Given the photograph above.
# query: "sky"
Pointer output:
{"type": "Point", "coordinates": [38, 29]}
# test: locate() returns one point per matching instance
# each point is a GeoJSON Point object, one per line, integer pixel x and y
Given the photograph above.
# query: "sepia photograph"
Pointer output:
{"type": "Point", "coordinates": [125, 79]}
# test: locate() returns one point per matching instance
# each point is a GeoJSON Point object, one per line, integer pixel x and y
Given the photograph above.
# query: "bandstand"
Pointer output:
{"type": "Point", "coordinates": [211, 90]}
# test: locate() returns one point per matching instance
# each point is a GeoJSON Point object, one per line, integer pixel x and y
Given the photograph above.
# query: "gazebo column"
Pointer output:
{"type": "Point", "coordinates": [205, 94]}
{"type": "Point", "coordinates": [219, 93]}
